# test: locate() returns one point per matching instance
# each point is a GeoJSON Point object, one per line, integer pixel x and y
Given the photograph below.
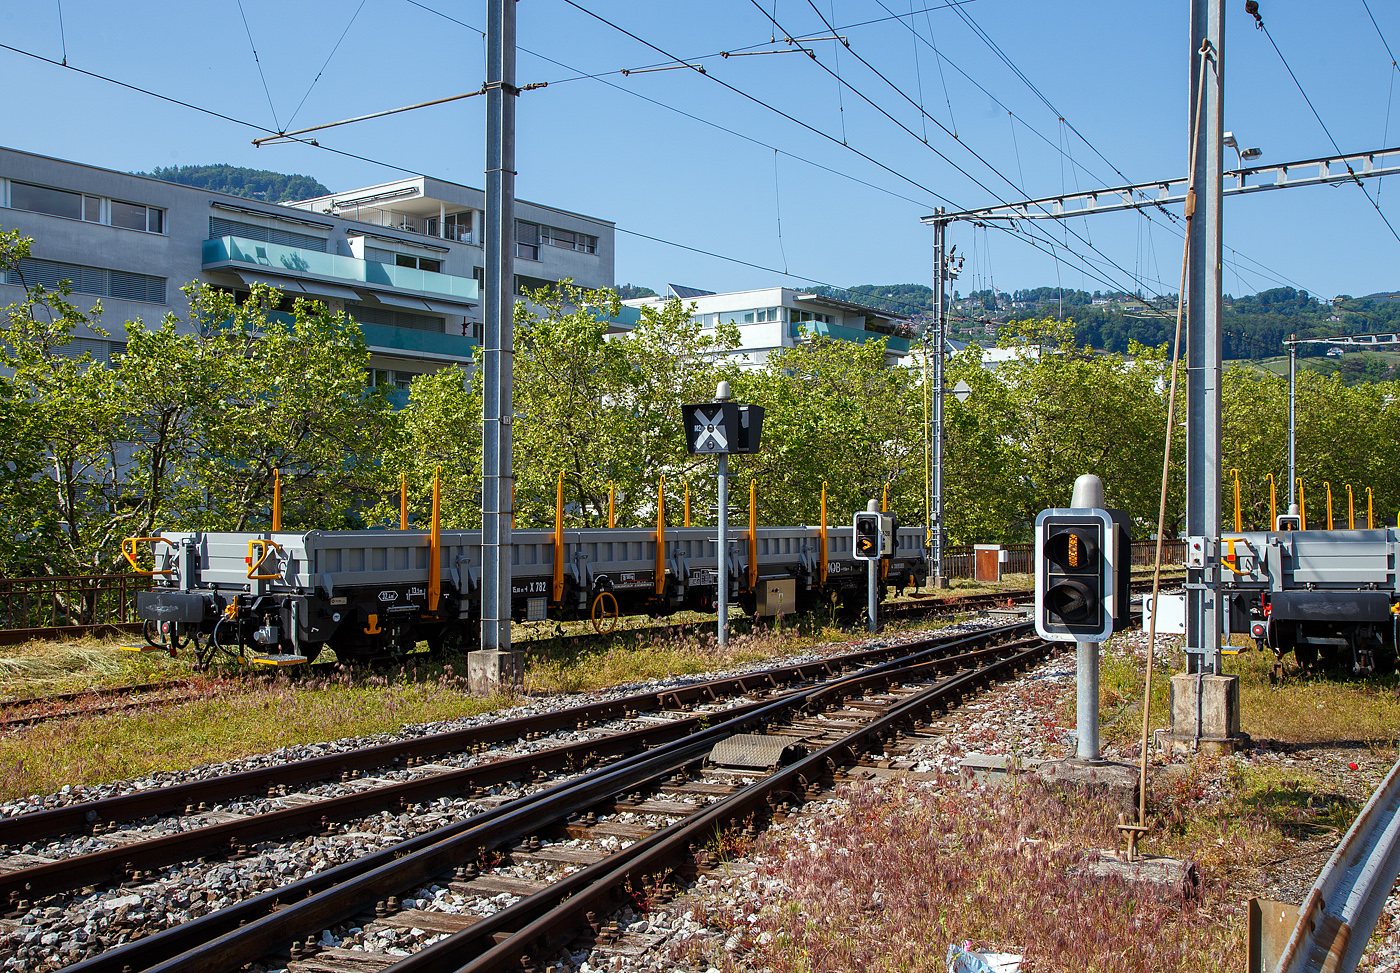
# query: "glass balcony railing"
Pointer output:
{"type": "Point", "coordinates": [233, 252]}
{"type": "Point", "coordinates": [381, 337]}
{"type": "Point", "coordinates": [842, 333]}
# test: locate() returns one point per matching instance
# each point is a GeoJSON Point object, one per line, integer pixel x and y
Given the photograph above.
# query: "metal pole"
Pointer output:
{"type": "Point", "coordinates": [1203, 341]}
{"type": "Point", "coordinates": [1292, 421]}
{"type": "Point", "coordinates": [499, 341]}
{"type": "Point", "coordinates": [722, 550]}
{"type": "Point", "coordinates": [1088, 493]}
{"type": "Point", "coordinates": [940, 273]}
{"type": "Point", "coordinates": [872, 610]}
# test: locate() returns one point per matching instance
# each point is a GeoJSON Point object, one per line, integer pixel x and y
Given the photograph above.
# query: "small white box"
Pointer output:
{"type": "Point", "coordinates": [1171, 619]}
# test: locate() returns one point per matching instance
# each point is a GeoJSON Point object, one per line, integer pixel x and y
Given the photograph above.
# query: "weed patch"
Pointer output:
{"type": "Point", "coordinates": [897, 871]}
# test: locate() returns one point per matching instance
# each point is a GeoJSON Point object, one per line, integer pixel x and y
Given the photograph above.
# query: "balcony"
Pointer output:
{"type": "Point", "coordinates": [236, 253]}
{"type": "Point", "coordinates": [838, 332]}
{"type": "Point", "coordinates": [383, 339]}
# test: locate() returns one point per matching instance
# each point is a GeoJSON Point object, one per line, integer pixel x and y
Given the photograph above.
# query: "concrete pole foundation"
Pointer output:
{"type": "Point", "coordinates": [493, 671]}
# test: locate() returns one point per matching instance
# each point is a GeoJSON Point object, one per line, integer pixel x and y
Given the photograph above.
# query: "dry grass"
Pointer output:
{"type": "Point", "coordinates": [225, 721]}
{"type": "Point", "coordinates": [41, 668]}
{"type": "Point", "coordinates": [889, 880]}
{"type": "Point", "coordinates": [1328, 707]}
{"type": "Point", "coordinates": [220, 725]}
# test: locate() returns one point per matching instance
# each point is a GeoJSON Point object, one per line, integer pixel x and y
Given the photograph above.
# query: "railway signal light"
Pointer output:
{"type": "Point", "coordinates": [866, 545]}
{"type": "Point", "coordinates": [722, 427]}
{"type": "Point", "coordinates": [1080, 593]}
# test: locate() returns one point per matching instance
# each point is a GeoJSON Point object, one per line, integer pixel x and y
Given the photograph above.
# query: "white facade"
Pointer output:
{"type": "Point", "coordinates": [773, 318]}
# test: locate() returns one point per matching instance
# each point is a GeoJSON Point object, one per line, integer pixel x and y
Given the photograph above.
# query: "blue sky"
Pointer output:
{"type": "Point", "coordinates": [1116, 72]}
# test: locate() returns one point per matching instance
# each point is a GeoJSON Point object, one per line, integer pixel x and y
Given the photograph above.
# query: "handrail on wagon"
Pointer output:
{"type": "Point", "coordinates": [129, 552]}
{"type": "Point", "coordinates": [267, 547]}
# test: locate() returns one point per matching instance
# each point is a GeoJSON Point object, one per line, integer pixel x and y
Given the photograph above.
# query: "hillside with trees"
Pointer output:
{"type": "Point", "coordinates": [260, 184]}
{"type": "Point", "coordinates": [1255, 325]}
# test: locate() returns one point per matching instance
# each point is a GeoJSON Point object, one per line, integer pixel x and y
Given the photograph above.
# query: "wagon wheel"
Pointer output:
{"type": "Point", "coordinates": [604, 612]}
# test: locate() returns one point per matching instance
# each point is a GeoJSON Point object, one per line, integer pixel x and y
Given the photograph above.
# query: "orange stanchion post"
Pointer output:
{"type": "Point", "coordinates": [558, 579]}
{"type": "Point", "coordinates": [661, 537]}
{"type": "Point", "coordinates": [276, 499]}
{"type": "Point", "coordinates": [435, 545]}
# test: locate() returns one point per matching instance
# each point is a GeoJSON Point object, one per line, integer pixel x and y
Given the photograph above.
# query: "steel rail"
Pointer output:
{"type": "Point", "coordinates": [546, 921]}
{"type": "Point", "coordinates": [241, 933]}
{"type": "Point", "coordinates": [1335, 922]}
{"type": "Point", "coordinates": [113, 865]}
{"type": "Point", "coordinates": [257, 925]}
{"type": "Point", "coordinates": [78, 817]}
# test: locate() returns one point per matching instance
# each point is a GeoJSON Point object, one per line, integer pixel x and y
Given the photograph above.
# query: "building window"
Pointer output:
{"type": "Point", "coordinates": [523, 284]}
{"type": "Point", "coordinates": [797, 317]}
{"type": "Point", "coordinates": [456, 227]}
{"type": "Point", "coordinates": [391, 318]}
{"type": "Point", "coordinates": [88, 280]}
{"type": "Point", "coordinates": [527, 240]}
{"type": "Point", "coordinates": [418, 263]}
{"type": "Point", "coordinates": [569, 239]}
{"type": "Point", "coordinates": [219, 227]}
{"type": "Point", "coordinates": [76, 206]}
{"type": "Point", "coordinates": [134, 216]}
{"type": "Point", "coordinates": [763, 314]}
{"type": "Point", "coordinates": [41, 199]}
{"type": "Point", "coordinates": [397, 380]}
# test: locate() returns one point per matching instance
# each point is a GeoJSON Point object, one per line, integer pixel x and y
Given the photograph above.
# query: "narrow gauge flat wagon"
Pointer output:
{"type": "Point", "coordinates": [1328, 593]}
{"type": "Point", "coordinates": [280, 596]}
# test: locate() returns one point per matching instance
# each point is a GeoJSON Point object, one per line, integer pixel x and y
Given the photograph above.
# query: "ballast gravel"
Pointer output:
{"type": "Point", "coordinates": [62, 930]}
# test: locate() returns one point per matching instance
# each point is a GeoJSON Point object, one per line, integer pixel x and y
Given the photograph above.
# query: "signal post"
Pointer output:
{"type": "Point", "coordinates": [1082, 596]}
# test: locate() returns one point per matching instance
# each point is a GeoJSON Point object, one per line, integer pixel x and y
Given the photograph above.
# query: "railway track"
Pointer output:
{"type": "Point", "coordinates": [634, 772]}
{"type": "Point", "coordinates": [93, 702]}
{"type": "Point", "coordinates": [16, 714]}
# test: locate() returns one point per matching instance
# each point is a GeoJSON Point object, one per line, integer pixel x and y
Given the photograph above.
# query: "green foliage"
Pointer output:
{"type": "Point", "coordinates": [629, 292]}
{"type": "Point", "coordinates": [270, 187]}
{"type": "Point", "coordinates": [836, 414]}
{"type": "Point", "coordinates": [605, 408]}
{"type": "Point", "coordinates": [1036, 422]}
{"type": "Point", "coordinates": [184, 427]}
{"type": "Point", "coordinates": [1346, 435]}
{"type": "Point", "coordinates": [181, 429]}
{"type": "Point", "coordinates": [439, 429]}
{"type": "Point", "coordinates": [899, 298]}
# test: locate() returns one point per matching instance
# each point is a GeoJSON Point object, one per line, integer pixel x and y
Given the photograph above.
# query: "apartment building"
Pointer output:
{"type": "Point", "coordinates": [772, 318]}
{"type": "Point", "coordinates": [404, 259]}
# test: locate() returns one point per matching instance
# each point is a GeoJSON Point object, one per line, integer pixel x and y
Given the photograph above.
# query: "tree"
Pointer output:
{"type": "Point", "coordinates": [181, 429]}
{"type": "Point", "coordinates": [291, 395]}
{"type": "Point", "coordinates": [1046, 418]}
{"type": "Point", "coordinates": [835, 413]}
{"type": "Point", "coordinates": [604, 407]}
{"type": "Point", "coordinates": [440, 428]}
{"type": "Point", "coordinates": [270, 187]}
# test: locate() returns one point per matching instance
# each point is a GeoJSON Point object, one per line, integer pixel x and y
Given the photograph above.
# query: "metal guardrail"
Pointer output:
{"type": "Point", "coordinates": [958, 561]}
{"type": "Point", "coordinates": [49, 607]}
{"type": "Point", "coordinates": [1335, 923]}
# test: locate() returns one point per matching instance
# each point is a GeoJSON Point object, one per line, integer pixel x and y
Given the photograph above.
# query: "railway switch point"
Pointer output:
{"type": "Point", "coordinates": [1212, 700]}
{"type": "Point", "coordinates": [492, 670]}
